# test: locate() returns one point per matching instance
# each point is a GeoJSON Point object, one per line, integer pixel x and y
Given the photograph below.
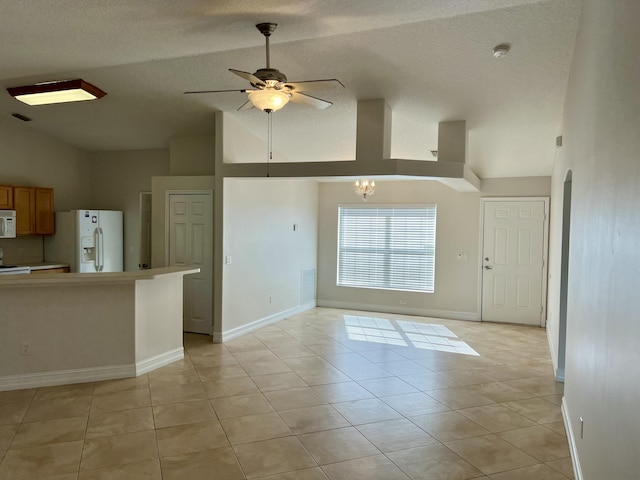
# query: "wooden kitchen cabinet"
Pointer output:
{"type": "Point", "coordinates": [24, 203]}
{"type": "Point", "coordinates": [44, 211]}
{"type": "Point", "coordinates": [51, 270]}
{"type": "Point", "coordinates": [34, 210]}
{"type": "Point", "coordinates": [6, 197]}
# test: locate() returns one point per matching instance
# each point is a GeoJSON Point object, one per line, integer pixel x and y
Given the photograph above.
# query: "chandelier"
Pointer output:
{"type": "Point", "coordinates": [365, 188]}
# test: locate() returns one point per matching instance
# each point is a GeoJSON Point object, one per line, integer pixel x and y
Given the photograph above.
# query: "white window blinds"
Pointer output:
{"type": "Point", "coordinates": [387, 247]}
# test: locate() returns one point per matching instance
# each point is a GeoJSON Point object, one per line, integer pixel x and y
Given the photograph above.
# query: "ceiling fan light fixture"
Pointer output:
{"type": "Point", "coordinates": [268, 99]}
{"type": "Point", "coordinates": [64, 91]}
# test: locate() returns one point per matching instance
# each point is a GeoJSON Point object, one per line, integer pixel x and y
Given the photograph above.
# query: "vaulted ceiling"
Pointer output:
{"type": "Point", "coordinates": [431, 60]}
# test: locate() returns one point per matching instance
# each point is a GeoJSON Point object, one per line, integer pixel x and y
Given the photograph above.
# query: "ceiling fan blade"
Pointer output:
{"type": "Point", "coordinates": [250, 77]}
{"type": "Point", "coordinates": [311, 85]}
{"type": "Point", "coordinates": [216, 91]}
{"type": "Point", "coordinates": [246, 106]}
{"type": "Point", "coordinates": [304, 99]}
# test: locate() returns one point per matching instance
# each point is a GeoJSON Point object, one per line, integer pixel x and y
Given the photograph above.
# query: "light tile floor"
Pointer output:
{"type": "Point", "coordinates": [327, 394]}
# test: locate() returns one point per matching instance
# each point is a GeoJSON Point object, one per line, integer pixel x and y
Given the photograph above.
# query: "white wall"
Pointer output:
{"type": "Point", "coordinates": [457, 230]}
{"type": "Point", "coordinates": [268, 256]}
{"type": "Point", "coordinates": [117, 178]}
{"type": "Point", "coordinates": [601, 145]}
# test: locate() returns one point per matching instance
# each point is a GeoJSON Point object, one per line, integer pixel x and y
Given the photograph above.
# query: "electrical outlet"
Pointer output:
{"type": "Point", "coordinates": [270, 298]}
{"type": "Point", "coordinates": [403, 302]}
{"type": "Point", "coordinates": [25, 348]}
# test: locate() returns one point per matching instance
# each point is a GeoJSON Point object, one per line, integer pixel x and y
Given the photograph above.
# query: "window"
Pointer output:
{"type": "Point", "coordinates": [391, 248]}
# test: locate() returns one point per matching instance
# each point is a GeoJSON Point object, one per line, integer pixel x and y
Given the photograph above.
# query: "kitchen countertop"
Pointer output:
{"type": "Point", "coordinates": [43, 266]}
{"type": "Point", "coordinates": [61, 279]}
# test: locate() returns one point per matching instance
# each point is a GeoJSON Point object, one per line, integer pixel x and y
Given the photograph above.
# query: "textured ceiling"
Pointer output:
{"type": "Point", "coordinates": [430, 59]}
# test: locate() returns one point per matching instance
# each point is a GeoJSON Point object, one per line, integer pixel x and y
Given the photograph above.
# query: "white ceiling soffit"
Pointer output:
{"type": "Point", "coordinates": [430, 59]}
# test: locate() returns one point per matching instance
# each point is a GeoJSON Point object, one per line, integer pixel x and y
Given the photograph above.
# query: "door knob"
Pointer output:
{"type": "Point", "coordinates": [488, 267]}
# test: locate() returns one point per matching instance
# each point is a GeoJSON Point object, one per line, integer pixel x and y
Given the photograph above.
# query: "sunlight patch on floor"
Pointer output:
{"type": "Point", "coordinates": [404, 333]}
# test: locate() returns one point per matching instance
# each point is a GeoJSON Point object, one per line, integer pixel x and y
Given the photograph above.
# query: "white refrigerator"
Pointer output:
{"type": "Point", "coordinates": [88, 240]}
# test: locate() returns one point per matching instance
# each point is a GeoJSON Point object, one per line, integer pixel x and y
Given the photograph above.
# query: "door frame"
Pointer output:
{"type": "Point", "coordinates": [141, 202]}
{"type": "Point", "coordinates": [567, 187]}
{"type": "Point", "coordinates": [167, 209]}
{"type": "Point", "coordinates": [545, 249]}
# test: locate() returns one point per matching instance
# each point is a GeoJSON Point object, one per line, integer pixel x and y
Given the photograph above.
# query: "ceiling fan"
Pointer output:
{"type": "Point", "coordinates": [271, 91]}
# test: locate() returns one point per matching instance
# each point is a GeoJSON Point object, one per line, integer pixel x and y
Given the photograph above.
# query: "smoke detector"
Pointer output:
{"type": "Point", "coordinates": [501, 50]}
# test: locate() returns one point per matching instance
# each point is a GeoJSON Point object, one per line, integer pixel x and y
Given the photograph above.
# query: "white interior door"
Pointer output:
{"type": "Point", "coordinates": [513, 266]}
{"type": "Point", "coordinates": [191, 244]}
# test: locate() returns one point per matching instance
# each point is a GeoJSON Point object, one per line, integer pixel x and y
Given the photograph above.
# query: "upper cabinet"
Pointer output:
{"type": "Point", "coordinates": [6, 197]}
{"type": "Point", "coordinates": [44, 211]}
{"type": "Point", "coordinates": [34, 210]}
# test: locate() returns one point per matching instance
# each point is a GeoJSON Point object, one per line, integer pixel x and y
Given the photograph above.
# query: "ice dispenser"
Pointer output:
{"type": "Point", "coordinates": [88, 245]}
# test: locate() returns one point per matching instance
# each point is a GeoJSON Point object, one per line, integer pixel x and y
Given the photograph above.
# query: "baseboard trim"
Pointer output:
{"type": "Point", "coordinates": [65, 377]}
{"type": "Point", "coordinates": [577, 471]}
{"type": "Point", "coordinates": [262, 322]}
{"type": "Point", "coordinates": [93, 374]}
{"type": "Point", "coordinates": [158, 361]}
{"type": "Point", "coordinates": [422, 312]}
{"type": "Point", "coordinates": [554, 356]}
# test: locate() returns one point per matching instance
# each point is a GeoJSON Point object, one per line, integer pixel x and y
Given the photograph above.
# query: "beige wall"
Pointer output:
{"type": "Point", "coordinates": [457, 230]}
{"type": "Point", "coordinates": [61, 337]}
{"type": "Point", "coordinates": [33, 159]}
{"type": "Point", "coordinates": [601, 145]}
{"type": "Point", "coordinates": [267, 255]}
{"type": "Point", "coordinates": [117, 178]}
{"type": "Point", "coordinates": [192, 154]}
{"type": "Point", "coordinates": [516, 187]}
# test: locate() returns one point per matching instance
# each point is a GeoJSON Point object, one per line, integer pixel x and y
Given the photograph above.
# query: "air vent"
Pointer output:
{"type": "Point", "coordinates": [21, 117]}
{"type": "Point", "coordinates": [308, 286]}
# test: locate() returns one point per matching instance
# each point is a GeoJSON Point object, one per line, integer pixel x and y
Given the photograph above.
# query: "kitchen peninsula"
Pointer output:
{"type": "Point", "coordinates": [78, 327]}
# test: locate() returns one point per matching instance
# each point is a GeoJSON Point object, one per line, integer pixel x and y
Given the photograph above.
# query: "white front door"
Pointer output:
{"type": "Point", "coordinates": [191, 244]}
{"type": "Point", "coordinates": [513, 266]}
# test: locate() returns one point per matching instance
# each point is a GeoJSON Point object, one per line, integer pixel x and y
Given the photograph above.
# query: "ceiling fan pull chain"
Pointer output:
{"type": "Point", "coordinates": [269, 141]}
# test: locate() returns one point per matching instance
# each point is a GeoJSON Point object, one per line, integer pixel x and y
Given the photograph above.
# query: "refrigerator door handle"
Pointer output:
{"type": "Point", "coordinates": [101, 233]}
{"type": "Point", "coordinates": [96, 260]}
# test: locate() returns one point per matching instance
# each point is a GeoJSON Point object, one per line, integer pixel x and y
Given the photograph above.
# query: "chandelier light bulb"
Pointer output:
{"type": "Point", "coordinates": [365, 188]}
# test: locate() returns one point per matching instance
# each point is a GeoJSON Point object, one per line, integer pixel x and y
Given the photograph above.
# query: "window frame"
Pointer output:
{"type": "Point", "coordinates": [430, 256]}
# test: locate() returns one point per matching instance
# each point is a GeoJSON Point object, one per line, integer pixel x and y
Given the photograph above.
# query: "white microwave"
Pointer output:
{"type": "Point", "coordinates": [7, 224]}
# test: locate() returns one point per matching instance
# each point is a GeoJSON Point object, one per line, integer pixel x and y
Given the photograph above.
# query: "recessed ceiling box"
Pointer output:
{"type": "Point", "coordinates": [373, 131]}
{"type": "Point", "coordinates": [56, 92]}
{"type": "Point", "coordinates": [373, 152]}
{"type": "Point", "coordinates": [452, 141]}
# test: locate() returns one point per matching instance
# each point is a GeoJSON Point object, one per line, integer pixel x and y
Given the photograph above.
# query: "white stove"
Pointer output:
{"type": "Point", "coordinates": [13, 270]}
